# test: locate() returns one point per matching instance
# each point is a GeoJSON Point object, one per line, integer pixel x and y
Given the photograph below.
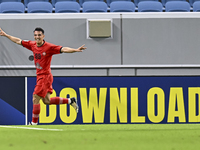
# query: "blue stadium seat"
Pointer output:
{"type": "Point", "coordinates": [28, 1]}
{"type": "Point", "coordinates": [165, 1]}
{"type": "Point", "coordinates": [12, 7]}
{"type": "Point", "coordinates": [192, 2]}
{"type": "Point", "coordinates": [196, 6]}
{"type": "Point", "coordinates": [1, 1]}
{"type": "Point", "coordinates": [94, 6]}
{"type": "Point", "coordinates": [82, 1]}
{"type": "Point", "coordinates": [150, 6]}
{"type": "Point", "coordinates": [122, 6]}
{"type": "Point", "coordinates": [67, 7]}
{"type": "Point", "coordinates": [110, 1]}
{"type": "Point", "coordinates": [137, 1]}
{"type": "Point", "coordinates": [55, 1]}
{"type": "Point", "coordinates": [177, 6]}
{"type": "Point", "coordinates": [39, 7]}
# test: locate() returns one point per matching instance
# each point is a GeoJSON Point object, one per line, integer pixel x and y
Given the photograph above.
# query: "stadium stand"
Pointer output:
{"type": "Point", "coordinates": [82, 1]}
{"type": "Point", "coordinates": [165, 1]}
{"type": "Point", "coordinates": [150, 6]}
{"type": "Point", "coordinates": [28, 1]}
{"type": "Point", "coordinates": [122, 6]}
{"type": "Point", "coordinates": [1, 1]}
{"type": "Point", "coordinates": [67, 7]}
{"type": "Point", "coordinates": [110, 1]}
{"type": "Point", "coordinates": [137, 1]}
{"type": "Point", "coordinates": [12, 7]}
{"type": "Point", "coordinates": [76, 6]}
{"type": "Point", "coordinates": [196, 6]}
{"type": "Point", "coordinates": [55, 1]}
{"type": "Point", "coordinates": [94, 6]}
{"type": "Point", "coordinates": [39, 7]}
{"type": "Point", "coordinates": [177, 6]}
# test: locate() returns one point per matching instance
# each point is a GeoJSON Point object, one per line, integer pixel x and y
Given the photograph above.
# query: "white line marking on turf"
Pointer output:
{"type": "Point", "coordinates": [30, 128]}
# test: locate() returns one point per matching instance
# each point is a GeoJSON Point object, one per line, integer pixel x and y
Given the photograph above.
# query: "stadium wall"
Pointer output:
{"type": "Point", "coordinates": [142, 44]}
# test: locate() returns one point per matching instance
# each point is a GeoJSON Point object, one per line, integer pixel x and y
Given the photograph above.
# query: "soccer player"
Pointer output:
{"type": "Point", "coordinates": [43, 52]}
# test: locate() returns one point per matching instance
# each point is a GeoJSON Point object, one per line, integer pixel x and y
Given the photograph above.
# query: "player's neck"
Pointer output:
{"type": "Point", "coordinates": [40, 44]}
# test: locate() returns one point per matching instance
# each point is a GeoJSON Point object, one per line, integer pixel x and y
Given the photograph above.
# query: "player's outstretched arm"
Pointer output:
{"type": "Point", "coordinates": [12, 38]}
{"type": "Point", "coordinates": [72, 50]}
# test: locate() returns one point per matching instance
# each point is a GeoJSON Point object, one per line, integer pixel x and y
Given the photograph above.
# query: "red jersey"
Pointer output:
{"type": "Point", "coordinates": [42, 55]}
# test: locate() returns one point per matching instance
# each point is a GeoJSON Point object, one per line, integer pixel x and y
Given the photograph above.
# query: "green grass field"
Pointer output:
{"type": "Point", "coordinates": [101, 137]}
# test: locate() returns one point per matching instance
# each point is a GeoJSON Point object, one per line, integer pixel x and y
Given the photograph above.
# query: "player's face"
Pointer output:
{"type": "Point", "coordinates": [39, 37]}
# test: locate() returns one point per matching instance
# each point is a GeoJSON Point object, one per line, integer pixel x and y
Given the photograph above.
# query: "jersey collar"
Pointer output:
{"type": "Point", "coordinates": [42, 44]}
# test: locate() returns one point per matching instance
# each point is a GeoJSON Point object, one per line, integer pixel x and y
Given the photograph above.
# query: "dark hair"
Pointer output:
{"type": "Point", "coordinates": [39, 29]}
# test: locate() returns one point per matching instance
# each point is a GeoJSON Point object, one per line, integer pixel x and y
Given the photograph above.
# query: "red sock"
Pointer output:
{"type": "Point", "coordinates": [36, 112]}
{"type": "Point", "coordinates": [59, 100]}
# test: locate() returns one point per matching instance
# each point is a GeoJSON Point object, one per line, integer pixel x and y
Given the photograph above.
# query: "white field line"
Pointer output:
{"type": "Point", "coordinates": [31, 128]}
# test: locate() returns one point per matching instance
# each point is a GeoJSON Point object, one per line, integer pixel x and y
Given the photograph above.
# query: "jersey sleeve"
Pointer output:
{"type": "Point", "coordinates": [27, 44]}
{"type": "Point", "coordinates": [55, 49]}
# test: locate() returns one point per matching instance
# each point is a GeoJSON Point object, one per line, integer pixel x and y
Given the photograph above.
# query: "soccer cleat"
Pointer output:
{"type": "Point", "coordinates": [31, 123]}
{"type": "Point", "coordinates": [74, 103]}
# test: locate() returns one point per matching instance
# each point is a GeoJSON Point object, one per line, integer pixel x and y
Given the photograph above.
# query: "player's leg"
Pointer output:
{"type": "Point", "coordinates": [36, 109]}
{"type": "Point", "coordinates": [59, 100]}
{"type": "Point", "coordinates": [37, 95]}
{"type": "Point", "coordinates": [55, 100]}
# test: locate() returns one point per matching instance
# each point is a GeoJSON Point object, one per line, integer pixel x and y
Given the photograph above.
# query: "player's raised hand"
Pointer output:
{"type": "Point", "coordinates": [2, 33]}
{"type": "Point", "coordinates": [80, 49]}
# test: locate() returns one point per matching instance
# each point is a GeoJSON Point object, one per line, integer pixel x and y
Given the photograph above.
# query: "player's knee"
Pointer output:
{"type": "Point", "coordinates": [36, 99]}
{"type": "Point", "coordinates": [46, 101]}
